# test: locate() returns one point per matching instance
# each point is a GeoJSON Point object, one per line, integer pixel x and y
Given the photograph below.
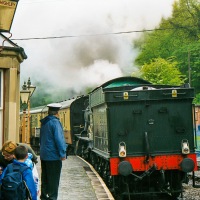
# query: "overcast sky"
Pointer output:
{"type": "Point", "coordinates": [82, 59]}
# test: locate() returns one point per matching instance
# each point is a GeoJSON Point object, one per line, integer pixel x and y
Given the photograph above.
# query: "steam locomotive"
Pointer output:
{"type": "Point", "coordinates": [140, 137]}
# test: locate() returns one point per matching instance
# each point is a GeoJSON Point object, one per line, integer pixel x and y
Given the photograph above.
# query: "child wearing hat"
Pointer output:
{"type": "Point", "coordinates": [21, 155]}
{"type": "Point", "coordinates": [7, 157]}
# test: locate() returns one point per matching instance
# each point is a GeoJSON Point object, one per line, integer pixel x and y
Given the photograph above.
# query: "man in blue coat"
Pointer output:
{"type": "Point", "coordinates": [52, 152]}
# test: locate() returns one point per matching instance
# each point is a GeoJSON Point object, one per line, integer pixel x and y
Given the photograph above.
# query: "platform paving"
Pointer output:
{"type": "Point", "coordinates": [79, 181]}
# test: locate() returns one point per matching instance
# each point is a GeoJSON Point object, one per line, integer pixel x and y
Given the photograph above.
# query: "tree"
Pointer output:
{"type": "Point", "coordinates": [177, 36]}
{"type": "Point", "coordinates": [161, 71]}
{"type": "Point", "coordinates": [183, 28]}
{"type": "Point", "coordinates": [188, 58]}
{"type": "Point", "coordinates": [197, 99]}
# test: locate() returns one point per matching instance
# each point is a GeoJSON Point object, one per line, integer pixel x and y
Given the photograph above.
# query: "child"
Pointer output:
{"type": "Point", "coordinates": [21, 154]}
{"type": "Point", "coordinates": [32, 165]}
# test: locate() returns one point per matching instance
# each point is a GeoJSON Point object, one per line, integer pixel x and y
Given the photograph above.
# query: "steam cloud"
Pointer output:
{"type": "Point", "coordinates": [74, 63]}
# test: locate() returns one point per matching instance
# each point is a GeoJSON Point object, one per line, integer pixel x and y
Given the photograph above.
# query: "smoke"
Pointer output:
{"type": "Point", "coordinates": [87, 57]}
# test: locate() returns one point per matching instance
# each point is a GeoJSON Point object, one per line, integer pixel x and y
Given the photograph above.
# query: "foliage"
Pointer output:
{"type": "Point", "coordinates": [197, 99]}
{"type": "Point", "coordinates": [161, 71]}
{"type": "Point", "coordinates": [177, 37]}
{"type": "Point", "coordinates": [188, 57]}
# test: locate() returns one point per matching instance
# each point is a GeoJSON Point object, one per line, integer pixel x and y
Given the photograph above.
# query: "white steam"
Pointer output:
{"type": "Point", "coordinates": [74, 63]}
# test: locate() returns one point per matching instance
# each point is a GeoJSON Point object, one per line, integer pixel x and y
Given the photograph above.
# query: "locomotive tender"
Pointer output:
{"type": "Point", "coordinates": [140, 137]}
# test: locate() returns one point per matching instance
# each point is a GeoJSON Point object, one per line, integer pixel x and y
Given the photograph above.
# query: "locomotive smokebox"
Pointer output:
{"type": "Point", "coordinates": [125, 168]}
{"type": "Point", "coordinates": [187, 165]}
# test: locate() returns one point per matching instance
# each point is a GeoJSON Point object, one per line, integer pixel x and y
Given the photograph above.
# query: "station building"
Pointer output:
{"type": "Point", "coordinates": [10, 59]}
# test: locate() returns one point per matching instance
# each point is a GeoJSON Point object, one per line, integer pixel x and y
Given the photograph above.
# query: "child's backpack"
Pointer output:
{"type": "Point", "coordinates": [13, 186]}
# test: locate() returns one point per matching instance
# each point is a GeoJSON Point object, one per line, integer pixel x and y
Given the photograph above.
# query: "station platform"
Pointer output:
{"type": "Point", "coordinates": [79, 181]}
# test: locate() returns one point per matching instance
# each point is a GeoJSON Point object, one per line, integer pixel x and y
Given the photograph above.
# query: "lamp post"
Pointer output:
{"type": "Point", "coordinates": [31, 88]}
{"type": "Point", "coordinates": [7, 12]}
{"type": "Point", "coordinates": [26, 93]}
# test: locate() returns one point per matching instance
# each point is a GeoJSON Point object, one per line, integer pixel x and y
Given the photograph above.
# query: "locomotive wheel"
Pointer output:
{"type": "Point", "coordinates": [93, 160]}
{"type": "Point", "coordinates": [106, 175]}
{"type": "Point", "coordinates": [175, 184]}
{"type": "Point", "coordinates": [109, 180]}
{"type": "Point", "coordinates": [78, 149]}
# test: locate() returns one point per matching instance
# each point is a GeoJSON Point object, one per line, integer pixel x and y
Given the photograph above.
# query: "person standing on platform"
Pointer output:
{"type": "Point", "coordinates": [7, 153]}
{"type": "Point", "coordinates": [52, 152]}
{"type": "Point", "coordinates": [11, 187]}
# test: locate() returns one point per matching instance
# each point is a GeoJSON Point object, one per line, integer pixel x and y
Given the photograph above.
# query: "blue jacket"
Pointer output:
{"type": "Point", "coordinates": [27, 177]}
{"type": "Point", "coordinates": [52, 142]}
